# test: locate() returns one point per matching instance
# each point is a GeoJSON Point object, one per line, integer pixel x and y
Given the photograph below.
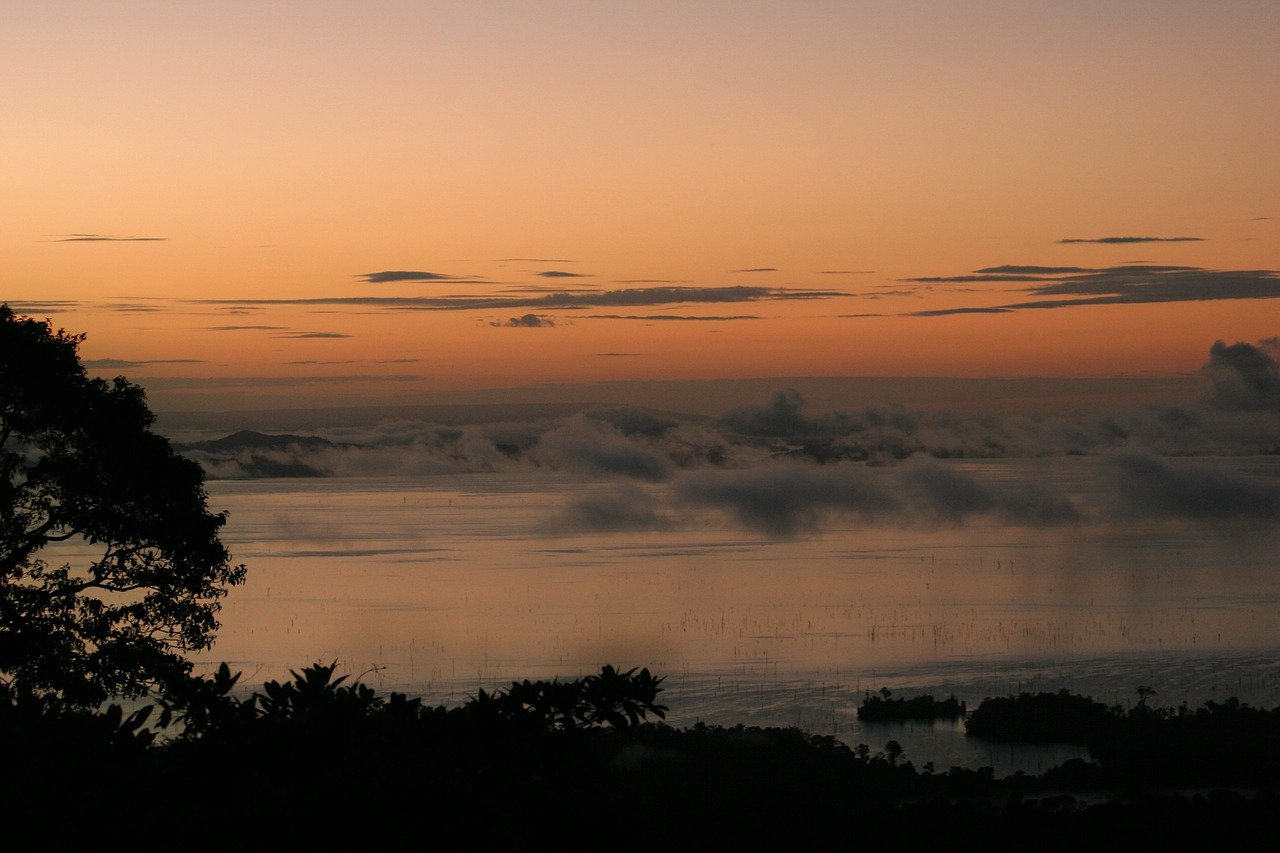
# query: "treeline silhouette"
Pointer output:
{"type": "Point", "coordinates": [573, 764]}
{"type": "Point", "coordinates": [1219, 743]}
{"type": "Point", "coordinates": [883, 708]}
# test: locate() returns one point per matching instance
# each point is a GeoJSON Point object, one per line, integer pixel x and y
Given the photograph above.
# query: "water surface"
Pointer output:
{"type": "Point", "coordinates": [439, 586]}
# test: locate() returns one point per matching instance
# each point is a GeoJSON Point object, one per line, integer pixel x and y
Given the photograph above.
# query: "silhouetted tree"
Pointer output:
{"type": "Point", "coordinates": [110, 562]}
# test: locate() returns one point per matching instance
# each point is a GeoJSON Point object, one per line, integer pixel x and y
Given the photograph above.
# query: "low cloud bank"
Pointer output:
{"type": "Point", "coordinates": [784, 499]}
{"type": "Point", "coordinates": [779, 468]}
{"type": "Point", "coordinates": [1147, 486]}
{"type": "Point", "coordinates": [789, 498]}
{"type": "Point", "coordinates": [1245, 377]}
{"type": "Point", "coordinates": [596, 447]}
{"type": "Point", "coordinates": [615, 510]}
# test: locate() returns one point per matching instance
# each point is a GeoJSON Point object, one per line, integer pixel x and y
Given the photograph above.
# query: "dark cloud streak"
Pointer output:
{"type": "Point", "coordinates": [311, 335]}
{"type": "Point", "coordinates": [629, 297]}
{"type": "Point", "coordinates": [1126, 240]}
{"type": "Point", "coordinates": [675, 317]}
{"type": "Point", "coordinates": [1140, 284]}
{"type": "Point", "coordinates": [527, 321]}
{"type": "Point", "coordinates": [1028, 269]}
{"type": "Point", "coordinates": [122, 362]}
{"type": "Point", "coordinates": [107, 238]}
{"type": "Point", "coordinates": [944, 279]}
{"type": "Point", "coordinates": [388, 276]}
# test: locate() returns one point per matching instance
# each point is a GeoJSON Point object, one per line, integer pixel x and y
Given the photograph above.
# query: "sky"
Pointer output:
{"type": "Point", "coordinates": [442, 197]}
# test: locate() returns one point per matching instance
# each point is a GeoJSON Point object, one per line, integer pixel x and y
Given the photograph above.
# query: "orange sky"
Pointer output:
{"type": "Point", "coordinates": [283, 152]}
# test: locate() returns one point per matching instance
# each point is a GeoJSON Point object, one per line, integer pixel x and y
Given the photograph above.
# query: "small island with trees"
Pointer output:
{"type": "Point", "coordinates": [883, 708]}
{"type": "Point", "coordinates": [109, 738]}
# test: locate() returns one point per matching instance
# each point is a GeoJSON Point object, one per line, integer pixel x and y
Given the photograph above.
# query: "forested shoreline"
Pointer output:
{"type": "Point", "coordinates": [589, 761]}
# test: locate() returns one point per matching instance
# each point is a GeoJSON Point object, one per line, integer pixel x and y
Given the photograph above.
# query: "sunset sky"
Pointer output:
{"type": "Point", "coordinates": [445, 196]}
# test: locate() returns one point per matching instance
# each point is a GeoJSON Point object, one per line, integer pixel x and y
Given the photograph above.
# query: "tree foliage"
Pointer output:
{"type": "Point", "coordinates": [110, 562]}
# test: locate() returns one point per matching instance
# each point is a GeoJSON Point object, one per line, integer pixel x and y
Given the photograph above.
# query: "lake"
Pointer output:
{"type": "Point", "coordinates": [439, 586]}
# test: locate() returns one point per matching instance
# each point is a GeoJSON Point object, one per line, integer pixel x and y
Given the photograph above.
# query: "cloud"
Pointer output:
{"type": "Point", "coordinates": [311, 554]}
{"type": "Point", "coordinates": [669, 317]}
{"type": "Point", "coordinates": [778, 418]}
{"type": "Point", "coordinates": [1123, 240]}
{"type": "Point", "coordinates": [107, 238]}
{"type": "Point", "coordinates": [535, 260]}
{"type": "Point", "coordinates": [563, 274]}
{"type": "Point", "coordinates": [845, 272]}
{"type": "Point", "coordinates": [1028, 269]}
{"type": "Point", "coordinates": [544, 288]}
{"type": "Point", "coordinates": [941, 279]}
{"type": "Point", "coordinates": [631, 421]}
{"type": "Point", "coordinates": [909, 291]}
{"type": "Point", "coordinates": [779, 469]}
{"type": "Point", "coordinates": [953, 496]}
{"type": "Point", "coordinates": [1136, 284]}
{"type": "Point", "coordinates": [1148, 486]}
{"type": "Point", "coordinates": [629, 297]}
{"type": "Point", "coordinates": [128, 308]}
{"type": "Point", "coordinates": [1130, 284]}
{"type": "Point", "coordinates": [527, 321]}
{"type": "Point", "coordinates": [49, 306]}
{"type": "Point", "coordinates": [782, 427]}
{"type": "Point", "coordinates": [594, 446]}
{"type": "Point", "coordinates": [757, 269]}
{"type": "Point", "coordinates": [304, 335]}
{"type": "Point", "coordinates": [385, 276]}
{"type": "Point", "coordinates": [785, 499]}
{"type": "Point", "coordinates": [650, 281]}
{"type": "Point", "coordinates": [619, 509]}
{"type": "Point", "coordinates": [1244, 377]}
{"type": "Point", "coordinates": [245, 328]}
{"type": "Point", "coordinates": [944, 312]}
{"type": "Point", "coordinates": [617, 354]}
{"type": "Point", "coordinates": [121, 362]}
{"type": "Point", "coordinates": [392, 448]}
{"type": "Point", "coordinates": [314, 361]}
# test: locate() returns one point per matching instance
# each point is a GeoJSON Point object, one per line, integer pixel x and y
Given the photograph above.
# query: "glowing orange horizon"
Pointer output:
{"type": "Point", "coordinates": [833, 147]}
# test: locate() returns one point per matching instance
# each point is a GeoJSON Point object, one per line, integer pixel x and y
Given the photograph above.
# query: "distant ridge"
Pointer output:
{"type": "Point", "coordinates": [709, 397]}
{"type": "Point", "coordinates": [247, 439]}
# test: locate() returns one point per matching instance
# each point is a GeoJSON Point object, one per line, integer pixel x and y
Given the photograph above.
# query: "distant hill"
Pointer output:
{"type": "Point", "coordinates": [247, 439]}
{"type": "Point", "coordinates": [257, 454]}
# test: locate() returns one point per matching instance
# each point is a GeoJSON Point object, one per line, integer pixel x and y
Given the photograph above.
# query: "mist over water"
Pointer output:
{"type": "Point", "coordinates": [442, 585]}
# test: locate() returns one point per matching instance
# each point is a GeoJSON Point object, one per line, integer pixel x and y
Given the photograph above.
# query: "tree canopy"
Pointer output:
{"type": "Point", "coordinates": [110, 562]}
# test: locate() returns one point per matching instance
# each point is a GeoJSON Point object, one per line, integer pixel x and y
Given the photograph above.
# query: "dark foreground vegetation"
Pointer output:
{"type": "Point", "coordinates": [1219, 743]}
{"type": "Point", "coordinates": [316, 762]}
{"type": "Point", "coordinates": [578, 764]}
